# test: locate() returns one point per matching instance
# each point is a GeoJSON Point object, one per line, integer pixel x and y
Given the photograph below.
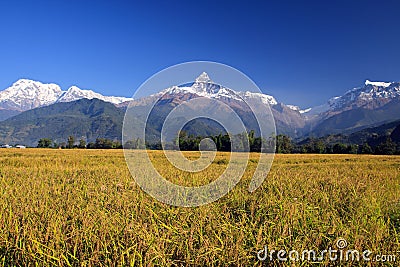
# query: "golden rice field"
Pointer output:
{"type": "Point", "coordinates": [83, 208]}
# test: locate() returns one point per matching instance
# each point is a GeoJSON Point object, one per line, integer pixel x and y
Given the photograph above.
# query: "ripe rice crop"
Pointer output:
{"type": "Point", "coordinates": [83, 208]}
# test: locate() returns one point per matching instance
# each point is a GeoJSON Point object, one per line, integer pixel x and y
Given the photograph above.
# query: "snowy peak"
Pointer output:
{"type": "Point", "coordinates": [73, 93]}
{"type": "Point", "coordinates": [31, 88]}
{"type": "Point", "coordinates": [27, 94]}
{"type": "Point", "coordinates": [205, 87]}
{"type": "Point", "coordinates": [203, 78]}
{"type": "Point", "coordinates": [381, 84]}
{"type": "Point", "coordinates": [371, 95]}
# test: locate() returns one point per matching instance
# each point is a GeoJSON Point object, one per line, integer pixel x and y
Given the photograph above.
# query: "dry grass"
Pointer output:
{"type": "Point", "coordinates": [82, 208]}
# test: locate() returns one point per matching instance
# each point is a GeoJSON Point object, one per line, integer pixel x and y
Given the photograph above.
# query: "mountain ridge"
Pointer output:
{"type": "Point", "coordinates": [84, 118]}
{"type": "Point", "coordinates": [26, 94]}
{"type": "Point", "coordinates": [372, 104]}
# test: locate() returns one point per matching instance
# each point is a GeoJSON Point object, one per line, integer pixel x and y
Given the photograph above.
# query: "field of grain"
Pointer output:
{"type": "Point", "coordinates": [83, 208]}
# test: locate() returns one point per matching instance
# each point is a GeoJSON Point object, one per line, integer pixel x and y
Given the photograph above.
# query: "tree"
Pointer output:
{"type": "Point", "coordinates": [226, 143]}
{"type": "Point", "coordinates": [283, 144]}
{"type": "Point", "coordinates": [103, 143]}
{"type": "Point", "coordinates": [218, 142]}
{"type": "Point", "coordinates": [388, 147]}
{"type": "Point", "coordinates": [91, 145]}
{"type": "Point", "coordinates": [250, 137]}
{"type": "Point", "coordinates": [140, 143]}
{"type": "Point", "coordinates": [240, 142]}
{"type": "Point", "coordinates": [329, 149]}
{"type": "Point", "coordinates": [45, 143]}
{"type": "Point", "coordinates": [319, 147]}
{"type": "Point", "coordinates": [71, 141]}
{"type": "Point", "coordinates": [366, 149]}
{"type": "Point", "coordinates": [130, 144]}
{"type": "Point", "coordinates": [352, 149]}
{"type": "Point", "coordinates": [116, 144]}
{"type": "Point", "coordinates": [339, 148]}
{"type": "Point", "coordinates": [82, 143]}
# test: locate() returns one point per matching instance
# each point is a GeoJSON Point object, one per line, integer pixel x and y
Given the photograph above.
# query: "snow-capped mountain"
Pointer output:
{"type": "Point", "coordinates": [371, 95]}
{"type": "Point", "coordinates": [365, 106]}
{"type": "Point", "coordinates": [288, 118]}
{"type": "Point", "coordinates": [371, 92]}
{"type": "Point", "coordinates": [27, 94]}
{"type": "Point", "coordinates": [205, 87]}
{"type": "Point", "coordinates": [75, 93]}
{"type": "Point", "coordinates": [372, 104]}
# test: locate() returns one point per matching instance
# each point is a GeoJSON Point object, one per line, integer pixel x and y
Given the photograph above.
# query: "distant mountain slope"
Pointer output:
{"type": "Point", "coordinates": [375, 135]}
{"type": "Point", "coordinates": [370, 96]}
{"type": "Point", "coordinates": [372, 104]}
{"type": "Point", "coordinates": [372, 135]}
{"type": "Point", "coordinates": [395, 135]}
{"type": "Point", "coordinates": [87, 119]}
{"type": "Point", "coordinates": [358, 118]}
{"type": "Point", "coordinates": [7, 113]}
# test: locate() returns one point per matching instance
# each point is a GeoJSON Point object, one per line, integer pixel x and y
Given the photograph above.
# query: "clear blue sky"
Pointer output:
{"type": "Point", "coordinates": [301, 52]}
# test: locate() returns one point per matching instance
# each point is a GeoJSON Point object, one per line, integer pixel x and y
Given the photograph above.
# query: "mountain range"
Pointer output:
{"type": "Point", "coordinates": [30, 110]}
{"type": "Point", "coordinates": [26, 94]}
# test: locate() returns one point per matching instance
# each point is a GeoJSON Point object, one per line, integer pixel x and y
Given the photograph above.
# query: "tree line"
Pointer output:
{"type": "Point", "coordinates": [285, 145]}
{"type": "Point", "coordinates": [226, 142]}
{"type": "Point", "coordinates": [100, 143]}
{"type": "Point", "coordinates": [239, 142]}
{"type": "Point", "coordinates": [223, 142]}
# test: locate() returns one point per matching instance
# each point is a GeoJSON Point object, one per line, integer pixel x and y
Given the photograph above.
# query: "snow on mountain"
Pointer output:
{"type": "Point", "coordinates": [379, 92]}
{"type": "Point", "coordinates": [367, 94]}
{"type": "Point", "coordinates": [315, 110]}
{"type": "Point", "coordinates": [27, 94]}
{"type": "Point", "coordinates": [305, 110]}
{"type": "Point", "coordinates": [75, 93]}
{"type": "Point", "coordinates": [382, 84]}
{"type": "Point", "coordinates": [204, 86]}
{"type": "Point", "coordinates": [293, 107]}
{"type": "Point", "coordinates": [203, 78]}
{"type": "Point", "coordinates": [308, 111]}
{"type": "Point", "coordinates": [266, 99]}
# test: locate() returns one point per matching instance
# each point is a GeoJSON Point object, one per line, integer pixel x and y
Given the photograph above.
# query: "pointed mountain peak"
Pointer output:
{"type": "Point", "coordinates": [74, 88]}
{"type": "Point", "coordinates": [203, 78]}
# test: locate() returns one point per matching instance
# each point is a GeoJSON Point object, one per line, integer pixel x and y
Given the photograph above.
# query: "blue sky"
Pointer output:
{"type": "Point", "coordinates": [301, 52]}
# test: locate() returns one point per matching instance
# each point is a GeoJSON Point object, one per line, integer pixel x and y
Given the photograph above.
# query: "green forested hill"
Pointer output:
{"type": "Point", "coordinates": [87, 119]}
